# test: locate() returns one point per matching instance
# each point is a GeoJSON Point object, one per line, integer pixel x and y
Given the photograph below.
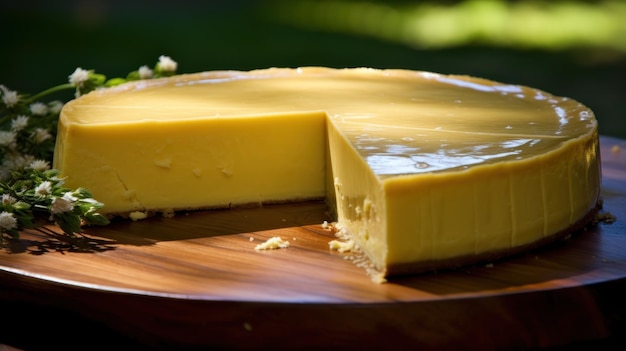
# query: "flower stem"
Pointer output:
{"type": "Point", "coordinates": [50, 91]}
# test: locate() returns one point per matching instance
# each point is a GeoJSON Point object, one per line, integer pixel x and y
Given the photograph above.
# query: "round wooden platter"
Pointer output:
{"type": "Point", "coordinates": [196, 281]}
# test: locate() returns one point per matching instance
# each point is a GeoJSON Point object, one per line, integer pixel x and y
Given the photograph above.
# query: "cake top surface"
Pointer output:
{"type": "Point", "coordinates": [401, 121]}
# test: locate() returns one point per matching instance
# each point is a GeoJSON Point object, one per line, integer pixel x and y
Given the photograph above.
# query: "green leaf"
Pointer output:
{"type": "Point", "coordinates": [97, 79]}
{"type": "Point", "coordinates": [82, 193]}
{"type": "Point", "coordinates": [134, 75]}
{"type": "Point", "coordinates": [114, 81]}
{"type": "Point", "coordinates": [68, 222]}
{"type": "Point", "coordinates": [96, 218]}
{"type": "Point", "coordinates": [21, 206]}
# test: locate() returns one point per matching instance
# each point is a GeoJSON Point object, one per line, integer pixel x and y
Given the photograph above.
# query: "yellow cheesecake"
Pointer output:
{"type": "Point", "coordinates": [422, 170]}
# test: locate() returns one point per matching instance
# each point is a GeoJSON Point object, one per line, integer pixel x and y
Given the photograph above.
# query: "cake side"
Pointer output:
{"type": "Point", "coordinates": [195, 164]}
{"type": "Point", "coordinates": [398, 269]}
{"type": "Point", "coordinates": [489, 211]}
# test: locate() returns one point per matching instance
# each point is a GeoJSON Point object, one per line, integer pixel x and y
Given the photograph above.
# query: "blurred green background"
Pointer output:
{"type": "Point", "coordinates": [569, 48]}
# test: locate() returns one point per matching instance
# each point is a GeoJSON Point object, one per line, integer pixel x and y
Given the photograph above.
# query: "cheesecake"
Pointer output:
{"type": "Point", "coordinates": [422, 170]}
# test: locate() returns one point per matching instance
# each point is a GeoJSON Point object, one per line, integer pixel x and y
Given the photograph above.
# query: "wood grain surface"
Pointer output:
{"type": "Point", "coordinates": [195, 281]}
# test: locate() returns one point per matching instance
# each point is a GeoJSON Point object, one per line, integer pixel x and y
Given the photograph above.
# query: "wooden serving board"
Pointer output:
{"type": "Point", "coordinates": [195, 281]}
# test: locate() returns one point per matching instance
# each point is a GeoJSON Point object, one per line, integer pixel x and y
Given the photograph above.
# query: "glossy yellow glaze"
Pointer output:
{"type": "Point", "coordinates": [420, 166]}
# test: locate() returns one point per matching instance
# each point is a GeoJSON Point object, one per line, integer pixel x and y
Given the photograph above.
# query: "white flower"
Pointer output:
{"type": "Point", "coordinates": [18, 123]}
{"type": "Point", "coordinates": [145, 72]}
{"type": "Point", "coordinates": [79, 77]}
{"type": "Point", "coordinates": [7, 220]}
{"type": "Point", "coordinates": [166, 64]}
{"type": "Point", "coordinates": [55, 106]}
{"type": "Point", "coordinates": [69, 197]}
{"type": "Point", "coordinates": [44, 188]}
{"type": "Point", "coordinates": [40, 135]}
{"type": "Point", "coordinates": [60, 205]}
{"type": "Point", "coordinates": [38, 109]}
{"type": "Point", "coordinates": [8, 199]}
{"type": "Point", "coordinates": [39, 165]}
{"type": "Point", "coordinates": [7, 138]}
{"type": "Point", "coordinates": [10, 97]}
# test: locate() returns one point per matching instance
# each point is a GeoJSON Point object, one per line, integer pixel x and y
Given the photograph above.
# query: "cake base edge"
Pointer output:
{"type": "Point", "coordinates": [404, 269]}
